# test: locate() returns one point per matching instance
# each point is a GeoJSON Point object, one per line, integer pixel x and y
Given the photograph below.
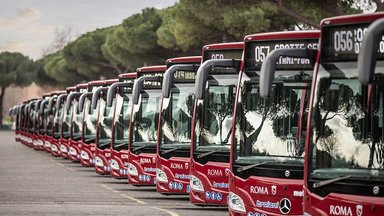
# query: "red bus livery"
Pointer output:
{"type": "Point", "coordinates": [344, 149]}
{"type": "Point", "coordinates": [174, 130]}
{"type": "Point", "coordinates": [267, 154]}
{"type": "Point", "coordinates": [143, 126]}
{"type": "Point", "coordinates": [215, 90]}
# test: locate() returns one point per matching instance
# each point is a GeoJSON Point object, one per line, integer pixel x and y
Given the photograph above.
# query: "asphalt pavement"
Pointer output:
{"type": "Point", "coordinates": [35, 183]}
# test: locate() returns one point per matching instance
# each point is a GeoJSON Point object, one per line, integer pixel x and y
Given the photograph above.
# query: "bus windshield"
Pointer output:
{"type": "Point", "coordinates": [43, 121]}
{"type": "Point", "coordinates": [121, 121]}
{"type": "Point", "coordinates": [90, 119]}
{"type": "Point", "coordinates": [57, 120]}
{"type": "Point", "coordinates": [271, 129]}
{"type": "Point", "coordinates": [177, 116]}
{"type": "Point", "coordinates": [67, 119]}
{"type": "Point", "coordinates": [348, 127]}
{"type": "Point", "coordinates": [77, 120]}
{"type": "Point", "coordinates": [105, 124]}
{"type": "Point", "coordinates": [215, 112]}
{"type": "Point", "coordinates": [145, 118]}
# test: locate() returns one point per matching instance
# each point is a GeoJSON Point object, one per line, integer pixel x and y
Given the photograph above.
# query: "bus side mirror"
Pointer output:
{"type": "Point", "coordinates": [368, 51]}
{"type": "Point", "coordinates": [96, 95]}
{"type": "Point", "coordinates": [51, 101]}
{"type": "Point", "coordinates": [268, 67]}
{"type": "Point", "coordinates": [70, 98]}
{"type": "Point", "coordinates": [42, 105]}
{"type": "Point", "coordinates": [202, 73]}
{"type": "Point", "coordinates": [59, 99]}
{"type": "Point", "coordinates": [169, 75]}
{"type": "Point", "coordinates": [82, 100]}
{"type": "Point", "coordinates": [138, 86]}
{"type": "Point", "coordinates": [112, 91]}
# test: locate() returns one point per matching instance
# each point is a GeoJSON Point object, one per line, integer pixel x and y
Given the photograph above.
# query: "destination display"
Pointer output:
{"type": "Point", "coordinates": [223, 54]}
{"type": "Point", "coordinates": [151, 84]}
{"type": "Point", "coordinates": [342, 43]}
{"type": "Point", "coordinates": [127, 88]}
{"type": "Point", "coordinates": [181, 76]}
{"type": "Point", "coordinates": [257, 51]}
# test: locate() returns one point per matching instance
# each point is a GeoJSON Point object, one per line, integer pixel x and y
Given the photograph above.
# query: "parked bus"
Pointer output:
{"type": "Point", "coordinates": [37, 141]}
{"type": "Point", "coordinates": [57, 122]}
{"type": "Point", "coordinates": [87, 145]}
{"type": "Point", "coordinates": [76, 122]}
{"type": "Point", "coordinates": [103, 129]}
{"type": "Point", "coordinates": [120, 97]}
{"type": "Point", "coordinates": [42, 120]}
{"type": "Point", "coordinates": [65, 124]}
{"type": "Point", "coordinates": [175, 120]}
{"type": "Point", "coordinates": [344, 147]}
{"type": "Point", "coordinates": [30, 122]}
{"type": "Point", "coordinates": [142, 140]}
{"type": "Point", "coordinates": [51, 111]}
{"type": "Point", "coordinates": [267, 152]}
{"type": "Point", "coordinates": [213, 108]}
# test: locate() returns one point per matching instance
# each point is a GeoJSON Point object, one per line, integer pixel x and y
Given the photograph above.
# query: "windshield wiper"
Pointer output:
{"type": "Point", "coordinates": [89, 140]}
{"type": "Point", "coordinates": [164, 152]}
{"type": "Point", "coordinates": [209, 153]}
{"type": "Point", "coordinates": [243, 168]}
{"type": "Point", "coordinates": [329, 181]}
{"type": "Point", "coordinates": [120, 144]}
{"type": "Point", "coordinates": [104, 144]}
{"type": "Point", "coordinates": [141, 147]}
{"type": "Point", "coordinates": [76, 137]}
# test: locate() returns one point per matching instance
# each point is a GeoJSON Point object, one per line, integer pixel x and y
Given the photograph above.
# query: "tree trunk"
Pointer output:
{"type": "Point", "coordinates": [1, 106]}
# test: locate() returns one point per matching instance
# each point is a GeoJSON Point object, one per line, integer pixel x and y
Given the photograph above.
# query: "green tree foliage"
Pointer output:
{"type": "Point", "coordinates": [152, 36]}
{"type": "Point", "coordinates": [15, 69]}
{"type": "Point", "coordinates": [57, 68]}
{"type": "Point", "coordinates": [41, 77]}
{"type": "Point", "coordinates": [211, 21]}
{"type": "Point", "coordinates": [86, 58]}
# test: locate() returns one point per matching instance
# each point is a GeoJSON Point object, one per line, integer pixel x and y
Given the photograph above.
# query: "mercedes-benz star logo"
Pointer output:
{"type": "Point", "coordinates": [285, 206]}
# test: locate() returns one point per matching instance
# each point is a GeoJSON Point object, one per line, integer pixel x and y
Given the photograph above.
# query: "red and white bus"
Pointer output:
{"type": "Point", "coordinates": [65, 126]}
{"type": "Point", "coordinates": [51, 111]}
{"type": "Point", "coordinates": [103, 129]}
{"type": "Point", "coordinates": [120, 97]}
{"type": "Point", "coordinates": [77, 122]}
{"type": "Point", "coordinates": [215, 90]}
{"type": "Point", "coordinates": [175, 120]}
{"type": "Point", "coordinates": [267, 152]}
{"type": "Point", "coordinates": [142, 135]}
{"type": "Point", "coordinates": [344, 164]}
{"type": "Point", "coordinates": [42, 121]}
{"type": "Point", "coordinates": [87, 146]}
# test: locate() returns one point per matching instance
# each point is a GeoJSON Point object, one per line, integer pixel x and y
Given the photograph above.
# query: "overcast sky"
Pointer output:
{"type": "Point", "coordinates": [28, 26]}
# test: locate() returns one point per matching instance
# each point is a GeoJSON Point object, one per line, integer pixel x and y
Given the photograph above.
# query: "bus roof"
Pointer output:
{"type": "Point", "coordinates": [131, 75]}
{"type": "Point", "coordinates": [356, 18]}
{"type": "Point", "coordinates": [152, 68]}
{"type": "Point", "coordinates": [184, 59]}
{"type": "Point", "coordinates": [71, 88]}
{"type": "Point", "coordinates": [82, 85]}
{"type": "Point", "coordinates": [221, 46]}
{"type": "Point", "coordinates": [283, 35]}
{"type": "Point", "coordinates": [110, 81]}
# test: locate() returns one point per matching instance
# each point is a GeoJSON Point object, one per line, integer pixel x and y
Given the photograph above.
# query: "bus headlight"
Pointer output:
{"type": "Point", "coordinates": [72, 151]}
{"type": "Point", "coordinates": [99, 162]}
{"type": "Point", "coordinates": [161, 176]}
{"type": "Point", "coordinates": [63, 149]}
{"type": "Point", "coordinates": [196, 184]}
{"type": "Point", "coordinates": [47, 144]}
{"type": "Point", "coordinates": [236, 203]}
{"type": "Point", "coordinates": [54, 148]}
{"type": "Point", "coordinates": [114, 165]}
{"type": "Point", "coordinates": [132, 170]}
{"type": "Point", "coordinates": [306, 214]}
{"type": "Point", "coordinates": [84, 155]}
